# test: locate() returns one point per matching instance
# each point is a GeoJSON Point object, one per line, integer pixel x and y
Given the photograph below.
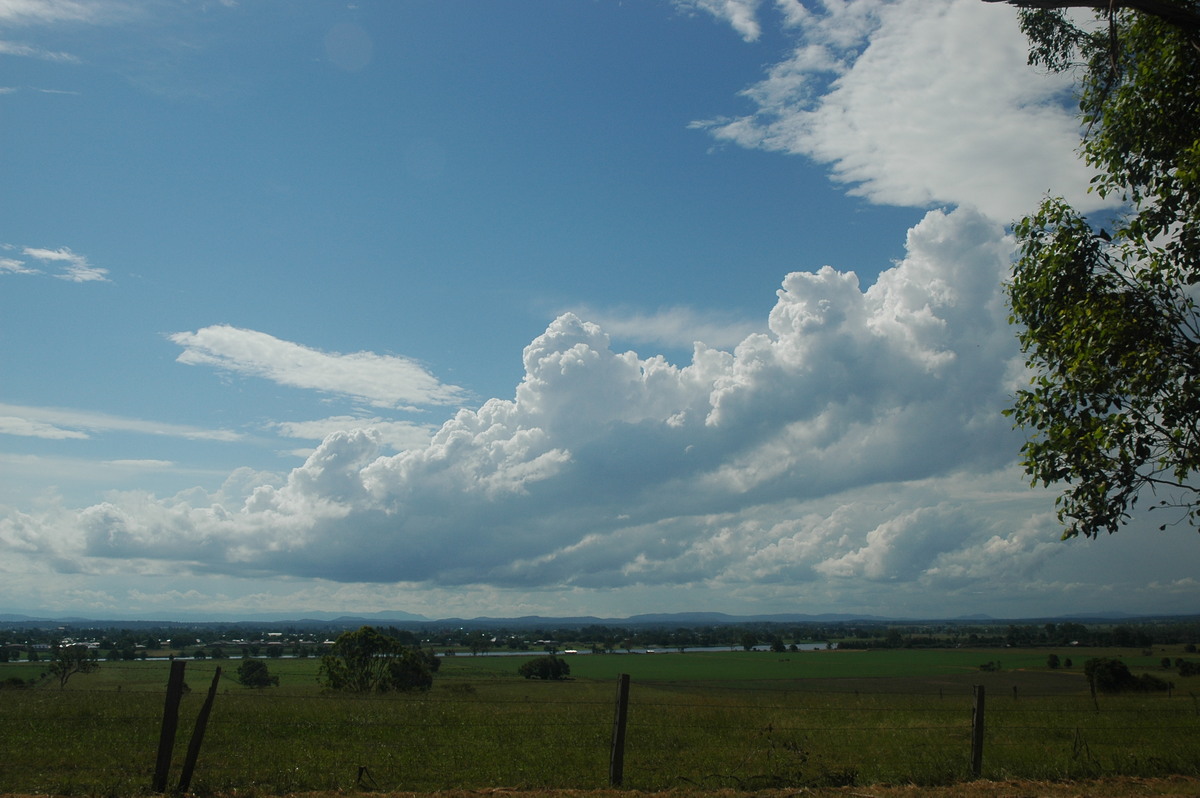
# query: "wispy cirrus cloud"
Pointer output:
{"type": "Point", "coordinates": [50, 12]}
{"type": "Point", "coordinates": [60, 423]}
{"type": "Point", "coordinates": [29, 51]}
{"type": "Point", "coordinates": [26, 427]}
{"type": "Point", "coordinates": [14, 266]}
{"type": "Point", "coordinates": [74, 267]}
{"type": "Point", "coordinates": [740, 14]}
{"type": "Point", "coordinates": [377, 380]}
{"type": "Point", "coordinates": [140, 464]}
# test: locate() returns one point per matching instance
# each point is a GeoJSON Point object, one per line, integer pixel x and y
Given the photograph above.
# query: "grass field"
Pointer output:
{"type": "Point", "coordinates": [740, 720]}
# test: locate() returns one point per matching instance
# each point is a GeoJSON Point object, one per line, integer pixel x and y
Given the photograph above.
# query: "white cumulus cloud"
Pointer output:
{"type": "Point", "coordinates": [918, 103]}
{"type": "Point", "coordinates": [607, 468]}
{"type": "Point", "coordinates": [854, 455]}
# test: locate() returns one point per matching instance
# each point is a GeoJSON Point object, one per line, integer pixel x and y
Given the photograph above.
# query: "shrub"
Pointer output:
{"type": "Point", "coordinates": [1113, 676]}
{"type": "Point", "coordinates": [548, 667]}
{"type": "Point", "coordinates": [254, 673]}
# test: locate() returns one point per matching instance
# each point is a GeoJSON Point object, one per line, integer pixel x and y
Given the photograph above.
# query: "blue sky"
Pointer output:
{"type": "Point", "coordinates": [470, 308]}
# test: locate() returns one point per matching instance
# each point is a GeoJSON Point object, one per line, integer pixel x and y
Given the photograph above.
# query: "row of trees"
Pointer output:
{"type": "Point", "coordinates": [371, 661]}
{"type": "Point", "coordinates": [604, 638]}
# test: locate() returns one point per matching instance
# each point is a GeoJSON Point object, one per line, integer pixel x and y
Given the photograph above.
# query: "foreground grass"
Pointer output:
{"type": "Point", "coordinates": [698, 722]}
{"type": "Point", "coordinates": [1097, 788]}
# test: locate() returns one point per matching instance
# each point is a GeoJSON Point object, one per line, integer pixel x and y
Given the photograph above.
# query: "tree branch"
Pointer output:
{"type": "Point", "coordinates": [1184, 16]}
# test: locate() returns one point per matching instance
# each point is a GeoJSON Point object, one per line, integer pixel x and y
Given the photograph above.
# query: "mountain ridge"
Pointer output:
{"type": "Point", "coordinates": [400, 618]}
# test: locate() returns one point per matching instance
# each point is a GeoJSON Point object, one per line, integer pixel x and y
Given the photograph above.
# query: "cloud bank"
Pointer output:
{"type": "Point", "coordinates": [804, 453]}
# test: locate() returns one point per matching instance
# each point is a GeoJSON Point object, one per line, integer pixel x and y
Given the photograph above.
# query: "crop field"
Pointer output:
{"type": "Point", "coordinates": [703, 720]}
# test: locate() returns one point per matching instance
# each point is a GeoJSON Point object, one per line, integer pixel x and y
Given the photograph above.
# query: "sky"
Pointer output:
{"type": "Point", "coordinates": [462, 308]}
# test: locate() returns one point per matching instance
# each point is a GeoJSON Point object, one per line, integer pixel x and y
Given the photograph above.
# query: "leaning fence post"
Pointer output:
{"type": "Point", "coordinates": [616, 763]}
{"type": "Point", "coordinates": [170, 722]}
{"type": "Point", "coordinates": [977, 731]}
{"type": "Point", "coordinates": [193, 752]}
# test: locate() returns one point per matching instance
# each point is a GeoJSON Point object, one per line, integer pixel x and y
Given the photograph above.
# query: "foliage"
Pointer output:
{"type": "Point", "coordinates": [367, 661]}
{"type": "Point", "coordinates": [254, 673]}
{"type": "Point", "coordinates": [547, 667]}
{"type": "Point", "coordinates": [1107, 316]}
{"type": "Point", "coordinates": [66, 661]}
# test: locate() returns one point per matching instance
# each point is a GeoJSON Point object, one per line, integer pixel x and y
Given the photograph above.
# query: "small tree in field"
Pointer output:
{"type": "Point", "coordinates": [368, 661]}
{"type": "Point", "coordinates": [254, 673]}
{"type": "Point", "coordinates": [66, 661]}
{"type": "Point", "coordinates": [548, 667]}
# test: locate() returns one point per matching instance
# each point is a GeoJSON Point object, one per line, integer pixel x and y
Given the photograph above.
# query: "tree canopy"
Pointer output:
{"type": "Point", "coordinates": [548, 667]}
{"type": "Point", "coordinates": [368, 661]}
{"type": "Point", "coordinates": [255, 673]}
{"type": "Point", "coordinates": [1107, 312]}
{"type": "Point", "coordinates": [68, 660]}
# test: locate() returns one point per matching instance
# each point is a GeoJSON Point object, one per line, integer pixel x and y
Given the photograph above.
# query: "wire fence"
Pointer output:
{"type": "Point", "coordinates": [515, 733]}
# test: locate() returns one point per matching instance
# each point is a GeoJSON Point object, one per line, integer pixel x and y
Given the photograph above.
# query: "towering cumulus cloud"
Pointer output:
{"type": "Point", "coordinates": [795, 455]}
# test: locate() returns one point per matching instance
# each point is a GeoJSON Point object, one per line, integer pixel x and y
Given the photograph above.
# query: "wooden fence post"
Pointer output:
{"type": "Point", "coordinates": [977, 731]}
{"type": "Point", "coordinates": [170, 722]}
{"type": "Point", "coordinates": [616, 762]}
{"type": "Point", "coordinates": [193, 752]}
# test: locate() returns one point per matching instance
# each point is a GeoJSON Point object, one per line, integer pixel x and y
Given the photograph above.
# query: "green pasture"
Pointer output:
{"type": "Point", "coordinates": [741, 720]}
{"type": "Point", "coordinates": [913, 667]}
